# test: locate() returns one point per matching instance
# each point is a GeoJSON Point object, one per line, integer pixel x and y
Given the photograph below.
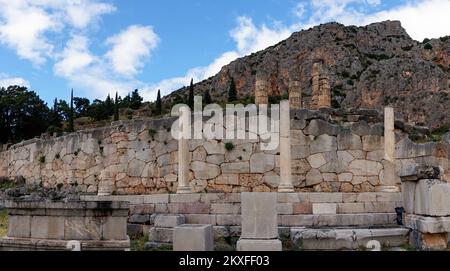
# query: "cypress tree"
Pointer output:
{"type": "Point", "coordinates": [158, 105]}
{"type": "Point", "coordinates": [232, 93]}
{"type": "Point", "coordinates": [191, 95]}
{"type": "Point", "coordinates": [207, 98]}
{"type": "Point", "coordinates": [116, 107]}
{"type": "Point", "coordinates": [71, 126]}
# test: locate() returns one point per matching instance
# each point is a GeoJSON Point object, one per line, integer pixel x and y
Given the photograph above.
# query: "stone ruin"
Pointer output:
{"type": "Point", "coordinates": [335, 177]}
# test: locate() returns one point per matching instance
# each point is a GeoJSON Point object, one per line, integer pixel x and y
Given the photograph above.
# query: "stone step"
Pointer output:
{"type": "Point", "coordinates": [348, 238]}
{"type": "Point", "coordinates": [363, 219]}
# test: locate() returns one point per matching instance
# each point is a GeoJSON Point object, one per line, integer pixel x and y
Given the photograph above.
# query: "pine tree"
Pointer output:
{"type": "Point", "coordinates": [207, 98]}
{"type": "Point", "coordinates": [158, 105]}
{"type": "Point", "coordinates": [71, 116]}
{"type": "Point", "coordinates": [116, 107]}
{"type": "Point", "coordinates": [109, 106]}
{"type": "Point", "coordinates": [191, 95]}
{"type": "Point", "coordinates": [232, 93]}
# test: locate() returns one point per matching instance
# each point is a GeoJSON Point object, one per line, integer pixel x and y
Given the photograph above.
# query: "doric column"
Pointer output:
{"type": "Point", "coordinates": [285, 149]}
{"type": "Point", "coordinates": [295, 94]}
{"type": "Point", "coordinates": [388, 182]}
{"type": "Point", "coordinates": [261, 95]}
{"type": "Point", "coordinates": [183, 151]}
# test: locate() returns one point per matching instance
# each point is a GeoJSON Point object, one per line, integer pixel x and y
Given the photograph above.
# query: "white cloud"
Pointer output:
{"type": "Point", "coordinates": [421, 19]}
{"type": "Point", "coordinates": [25, 24]}
{"type": "Point", "coordinates": [130, 48]}
{"type": "Point", "coordinates": [75, 57]}
{"type": "Point", "coordinates": [6, 81]}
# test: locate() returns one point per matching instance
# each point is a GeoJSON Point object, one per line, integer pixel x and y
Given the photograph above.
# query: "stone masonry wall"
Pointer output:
{"type": "Point", "coordinates": [332, 151]}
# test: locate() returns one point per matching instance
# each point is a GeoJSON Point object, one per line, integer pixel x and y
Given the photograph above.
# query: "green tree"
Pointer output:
{"type": "Point", "coordinates": [232, 93]}
{"type": "Point", "coordinates": [207, 98]}
{"type": "Point", "coordinates": [158, 104]}
{"type": "Point", "coordinates": [23, 115]}
{"type": "Point", "coordinates": [116, 107]}
{"type": "Point", "coordinates": [81, 106]}
{"type": "Point", "coordinates": [55, 118]}
{"type": "Point", "coordinates": [72, 113]}
{"type": "Point", "coordinates": [191, 95]}
{"type": "Point", "coordinates": [109, 106]}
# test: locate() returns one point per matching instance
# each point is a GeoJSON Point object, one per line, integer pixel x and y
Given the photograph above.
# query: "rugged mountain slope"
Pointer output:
{"type": "Point", "coordinates": [368, 67]}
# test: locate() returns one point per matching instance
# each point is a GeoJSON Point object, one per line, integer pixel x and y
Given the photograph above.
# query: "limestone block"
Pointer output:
{"type": "Point", "coordinates": [259, 216]}
{"type": "Point", "coordinates": [193, 238]}
{"type": "Point", "coordinates": [372, 143]}
{"type": "Point", "coordinates": [262, 163]}
{"type": "Point", "coordinates": [228, 179]}
{"type": "Point", "coordinates": [215, 159]}
{"type": "Point", "coordinates": [169, 221]}
{"type": "Point", "coordinates": [349, 141]}
{"type": "Point", "coordinates": [319, 127]}
{"type": "Point", "coordinates": [313, 177]}
{"type": "Point", "coordinates": [46, 227]}
{"type": "Point", "coordinates": [350, 208]}
{"type": "Point", "coordinates": [205, 171]}
{"type": "Point", "coordinates": [409, 192]}
{"type": "Point", "coordinates": [19, 226]}
{"type": "Point", "coordinates": [324, 208]}
{"type": "Point", "coordinates": [432, 198]}
{"type": "Point", "coordinates": [429, 241]}
{"type": "Point", "coordinates": [324, 143]}
{"type": "Point", "coordinates": [237, 167]}
{"type": "Point", "coordinates": [259, 245]}
{"type": "Point", "coordinates": [161, 235]}
{"type": "Point", "coordinates": [82, 228]}
{"type": "Point", "coordinates": [365, 168]}
{"type": "Point", "coordinates": [427, 224]}
{"type": "Point", "coordinates": [317, 160]}
{"type": "Point", "coordinates": [115, 228]}
{"type": "Point", "coordinates": [214, 147]}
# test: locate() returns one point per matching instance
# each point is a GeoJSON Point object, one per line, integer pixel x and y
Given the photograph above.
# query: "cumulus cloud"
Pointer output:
{"type": "Point", "coordinates": [75, 57]}
{"type": "Point", "coordinates": [130, 48]}
{"type": "Point", "coordinates": [6, 81]}
{"type": "Point", "coordinates": [26, 24]}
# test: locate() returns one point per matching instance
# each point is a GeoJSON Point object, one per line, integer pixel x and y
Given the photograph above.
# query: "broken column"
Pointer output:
{"type": "Point", "coordinates": [295, 94]}
{"type": "Point", "coordinates": [321, 90]}
{"type": "Point", "coordinates": [285, 149]}
{"type": "Point", "coordinates": [183, 151]}
{"type": "Point", "coordinates": [261, 90]}
{"type": "Point", "coordinates": [259, 223]}
{"type": "Point", "coordinates": [427, 206]}
{"type": "Point", "coordinates": [389, 180]}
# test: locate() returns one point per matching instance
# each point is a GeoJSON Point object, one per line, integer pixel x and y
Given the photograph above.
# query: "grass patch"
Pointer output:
{"type": "Point", "coordinates": [3, 223]}
{"type": "Point", "coordinates": [139, 244]}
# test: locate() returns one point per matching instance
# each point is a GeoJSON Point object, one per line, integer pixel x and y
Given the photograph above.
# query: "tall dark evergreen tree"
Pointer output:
{"type": "Point", "coordinates": [116, 107]}
{"type": "Point", "coordinates": [207, 98]}
{"type": "Point", "coordinates": [158, 104]}
{"type": "Point", "coordinates": [55, 118]}
{"type": "Point", "coordinates": [232, 93]}
{"type": "Point", "coordinates": [191, 95]}
{"type": "Point", "coordinates": [71, 116]}
{"type": "Point", "coordinates": [109, 106]}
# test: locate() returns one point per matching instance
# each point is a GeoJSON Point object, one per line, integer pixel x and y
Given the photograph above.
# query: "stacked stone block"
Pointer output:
{"type": "Point", "coordinates": [162, 231]}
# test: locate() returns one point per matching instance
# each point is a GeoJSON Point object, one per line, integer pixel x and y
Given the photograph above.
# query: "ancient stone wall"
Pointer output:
{"type": "Point", "coordinates": [332, 151]}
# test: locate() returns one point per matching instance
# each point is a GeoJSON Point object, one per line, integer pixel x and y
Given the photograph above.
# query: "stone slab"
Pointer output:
{"type": "Point", "coordinates": [324, 208]}
{"type": "Point", "coordinates": [427, 224]}
{"type": "Point", "coordinates": [193, 238]}
{"type": "Point", "coordinates": [259, 245]}
{"type": "Point", "coordinates": [259, 216]}
{"type": "Point", "coordinates": [432, 198]}
{"type": "Point", "coordinates": [169, 221]}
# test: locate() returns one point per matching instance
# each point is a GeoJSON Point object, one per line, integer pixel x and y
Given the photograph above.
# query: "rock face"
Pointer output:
{"type": "Point", "coordinates": [364, 67]}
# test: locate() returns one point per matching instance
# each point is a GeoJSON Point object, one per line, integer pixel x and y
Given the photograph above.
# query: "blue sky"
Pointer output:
{"type": "Point", "coordinates": [100, 46]}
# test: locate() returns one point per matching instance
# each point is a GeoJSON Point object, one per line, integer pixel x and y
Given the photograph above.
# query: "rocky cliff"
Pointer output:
{"type": "Point", "coordinates": [368, 67]}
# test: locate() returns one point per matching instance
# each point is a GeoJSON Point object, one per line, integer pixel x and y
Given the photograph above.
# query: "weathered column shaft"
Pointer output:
{"type": "Point", "coordinates": [285, 149]}
{"type": "Point", "coordinates": [261, 94]}
{"type": "Point", "coordinates": [183, 152]}
{"type": "Point", "coordinates": [295, 94]}
{"type": "Point", "coordinates": [388, 182]}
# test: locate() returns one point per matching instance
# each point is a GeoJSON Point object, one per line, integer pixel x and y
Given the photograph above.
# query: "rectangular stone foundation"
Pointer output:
{"type": "Point", "coordinates": [259, 245]}
{"type": "Point", "coordinates": [37, 225]}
